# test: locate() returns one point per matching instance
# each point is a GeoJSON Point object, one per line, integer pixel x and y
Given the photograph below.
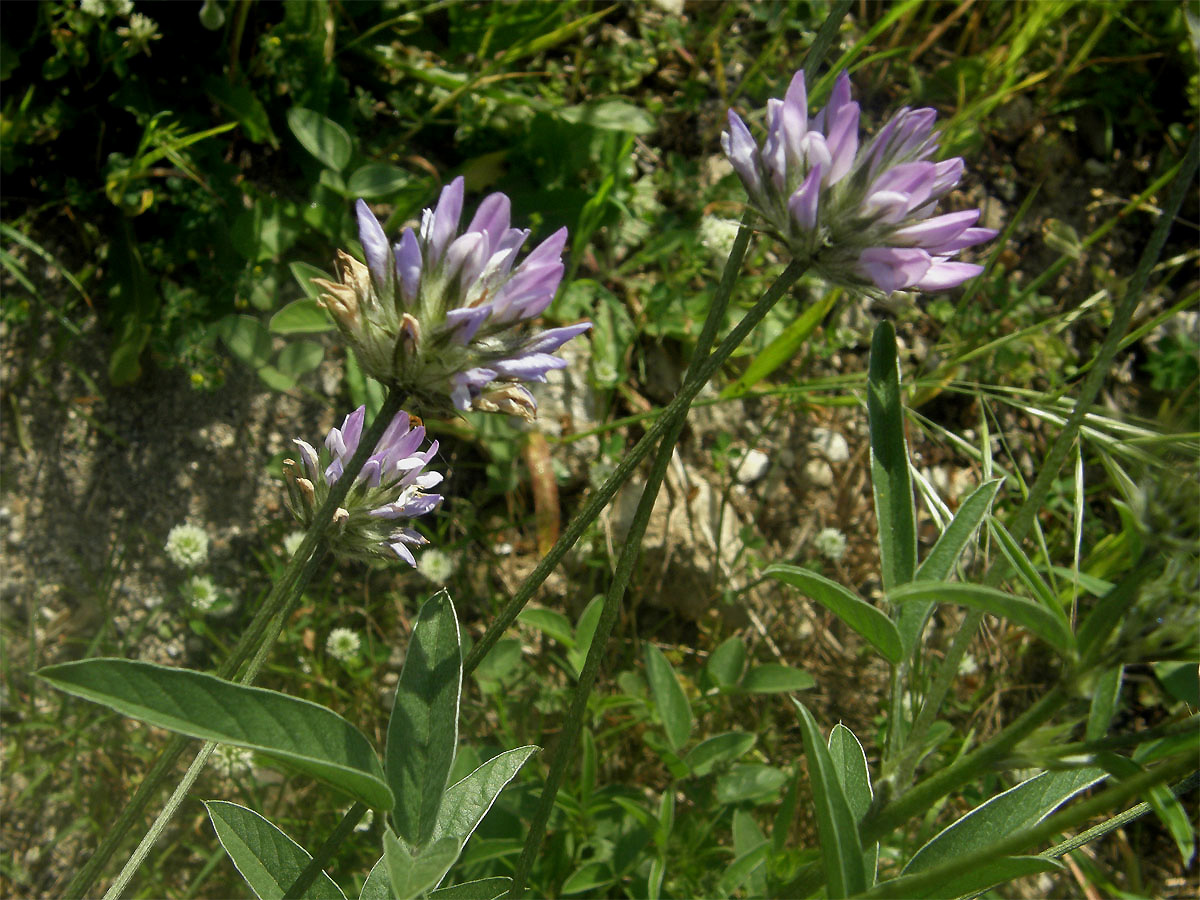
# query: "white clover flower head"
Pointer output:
{"type": "Point", "coordinates": [201, 594]}
{"type": "Point", "coordinates": [717, 236]}
{"type": "Point", "coordinates": [96, 8]}
{"type": "Point", "coordinates": [859, 216]}
{"type": "Point", "coordinates": [343, 644]}
{"type": "Point", "coordinates": [436, 566]}
{"type": "Point", "coordinates": [967, 665]}
{"type": "Point", "coordinates": [187, 546]}
{"type": "Point", "coordinates": [292, 542]}
{"type": "Point", "coordinates": [436, 314]}
{"type": "Point", "coordinates": [140, 31]}
{"type": "Point", "coordinates": [830, 543]}
{"type": "Point", "coordinates": [392, 487]}
{"type": "Point", "coordinates": [231, 762]}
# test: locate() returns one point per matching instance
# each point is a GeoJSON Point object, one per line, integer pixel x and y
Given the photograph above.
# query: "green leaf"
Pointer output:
{"type": "Point", "coordinates": [970, 882]}
{"type": "Point", "coordinates": [1109, 611]}
{"type": "Point", "coordinates": [550, 622]}
{"type": "Point", "coordinates": [1028, 613]}
{"type": "Point", "coordinates": [726, 663]}
{"type": "Point", "coordinates": [750, 782]}
{"type": "Point", "coordinates": [1002, 816]}
{"type": "Point", "coordinates": [850, 765]}
{"type": "Point", "coordinates": [274, 379]}
{"type": "Point", "coordinates": [377, 180]}
{"type": "Point", "coordinates": [584, 631]}
{"type": "Point", "coordinates": [301, 317]}
{"type": "Point", "coordinates": [890, 478]}
{"type": "Point", "coordinates": [872, 624]}
{"type": "Point", "coordinates": [841, 850]}
{"type": "Point", "coordinates": [718, 749]}
{"type": "Point", "coordinates": [1104, 702]}
{"type": "Point", "coordinates": [1028, 575]}
{"type": "Point", "coordinates": [299, 358]}
{"type": "Point", "coordinates": [322, 137]}
{"type": "Point", "coordinates": [1180, 680]}
{"type": "Point", "coordinates": [246, 339]}
{"type": "Point", "coordinates": [743, 868]}
{"type": "Point", "coordinates": [942, 557]}
{"type": "Point", "coordinates": [413, 874]}
{"type": "Point", "coordinates": [307, 737]}
{"type": "Point", "coordinates": [466, 802]}
{"type": "Point", "coordinates": [481, 889]}
{"type": "Point", "coordinates": [610, 115]}
{"type": "Point", "coordinates": [268, 859]}
{"type": "Point", "coordinates": [669, 698]}
{"type": "Point", "coordinates": [423, 730]}
{"type": "Point", "coordinates": [784, 347]}
{"type": "Point", "coordinates": [1166, 805]}
{"type": "Point", "coordinates": [748, 837]}
{"type": "Point", "coordinates": [377, 886]}
{"type": "Point", "coordinates": [588, 877]}
{"type": "Point", "coordinates": [775, 678]}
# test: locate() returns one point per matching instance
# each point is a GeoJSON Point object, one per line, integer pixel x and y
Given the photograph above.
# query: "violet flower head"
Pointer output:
{"type": "Point", "coordinates": [392, 487]}
{"type": "Point", "coordinates": [861, 216]}
{"type": "Point", "coordinates": [437, 313]}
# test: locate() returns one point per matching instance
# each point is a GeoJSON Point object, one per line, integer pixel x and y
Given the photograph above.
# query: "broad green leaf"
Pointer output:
{"type": "Point", "coordinates": [669, 698]}
{"type": "Point", "coordinates": [307, 737]}
{"type": "Point", "coordinates": [726, 663]}
{"type": "Point", "coordinates": [890, 478]}
{"type": "Point", "coordinates": [775, 678]}
{"type": "Point", "coordinates": [274, 379]}
{"type": "Point", "coordinates": [322, 137]}
{"type": "Point", "coordinates": [784, 347]}
{"type": "Point", "coordinates": [742, 869]}
{"type": "Point", "coordinates": [718, 749]}
{"type": "Point", "coordinates": [748, 837]}
{"type": "Point", "coordinates": [377, 180]}
{"type": "Point", "coordinates": [466, 802]}
{"type": "Point", "coordinates": [246, 339]}
{"type": "Point", "coordinates": [841, 849]}
{"type": "Point", "coordinates": [872, 624]}
{"type": "Point", "coordinates": [550, 622]}
{"type": "Point", "coordinates": [610, 115]}
{"type": "Point", "coordinates": [413, 874]}
{"type": "Point", "coordinates": [268, 859]}
{"type": "Point", "coordinates": [1028, 613]}
{"type": "Point", "coordinates": [305, 276]}
{"type": "Point", "coordinates": [423, 730]}
{"type": "Point", "coordinates": [377, 886]}
{"type": "Point", "coordinates": [588, 620]}
{"type": "Point", "coordinates": [850, 765]}
{"type": "Point", "coordinates": [482, 889]}
{"type": "Point", "coordinates": [299, 358]}
{"type": "Point", "coordinates": [1002, 816]}
{"type": "Point", "coordinates": [968, 882]}
{"type": "Point", "coordinates": [750, 781]}
{"type": "Point", "coordinates": [301, 317]}
{"type": "Point", "coordinates": [1180, 680]}
{"type": "Point", "coordinates": [942, 557]}
{"type": "Point", "coordinates": [588, 877]}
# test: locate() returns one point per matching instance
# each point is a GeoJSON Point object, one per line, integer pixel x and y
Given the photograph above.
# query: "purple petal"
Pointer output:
{"type": "Point", "coordinates": [308, 455]}
{"type": "Point", "coordinates": [408, 264]}
{"type": "Point", "coordinates": [464, 322]}
{"type": "Point", "coordinates": [774, 151]}
{"type": "Point", "coordinates": [465, 257]}
{"type": "Point", "coordinates": [396, 429]}
{"type": "Point", "coordinates": [944, 275]}
{"type": "Point", "coordinates": [739, 146]}
{"type": "Point", "coordinates": [843, 142]}
{"type": "Point", "coordinates": [352, 429]}
{"type": "Point", "coordinates": [492, 218]}
{"type": "Point", "coordinates": [803, 203]}
{"type": "Point", "coordinates": [375, 246]}
{"type": "Point", "coordinates": [550, 340]}
{"type": "Point", "coordinates": [403, 552]}
{"type": "Point", "coordinates": [530, 367]}
{"type": "Point", "coordinates": [549, 250]}
{"type": "Point", "coordinates": [894, 268]}
{"type": "Point", "coordinates": [793, 116]}
{"type": "Point", "coordinates": [936, 231]}
{"type": "Point", "coordinates": [527, 293]}
{"type": "Point", "coordinates": [838, 99]}
{"type": "Point", "coordinates": [445, 220]}
{"type": "Point", "coordinates": [968, 238]}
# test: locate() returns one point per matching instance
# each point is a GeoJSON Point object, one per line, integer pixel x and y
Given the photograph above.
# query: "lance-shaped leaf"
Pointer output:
{"type": "Point", "coordinates": [1027, 613]}
{"type": "Point", "coordinates": [969, 882]}
{"type": "Point", "coordinates": [378, 887]}
{"type": "Point", "coordinates": [891, 481]}
{"type": "Point", "coordinates": [874, 626]}
{"type": "Point", "coordinates": [466, 802]}
{"type": "Point", "coordinates": [305, 736]}
{"type": "Point", "coordinates": [672, 702]}
{"type": "Point", "coordinates": [412, 874]}
{"type": "Point", "coordinates": [718, 749]}
{"type": "Point", "coordinates": [850, 765]}
{"type": "Point", "coordinates": [841, 850]}
{"type": "Point", "coordinates": [268, 859]}
{"type": "Point", "coordinates": [423, 730]}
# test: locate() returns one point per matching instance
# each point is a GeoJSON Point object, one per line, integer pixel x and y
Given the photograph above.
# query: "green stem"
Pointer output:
{"type": "Point", "coordinates": [288, 587]}
{"type": "Point", "coordinates": [1048, 471]}
{"type": "Point", "coordinates": [674, 420]}
{"type": "Point", "coordinates": [322, 857]}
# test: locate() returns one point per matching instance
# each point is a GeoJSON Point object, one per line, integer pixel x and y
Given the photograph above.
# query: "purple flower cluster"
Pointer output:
{"type": "Point", "coordinates": [435, 315]}
{"type": "Point", "coordinates": [860, 216]}
{"type": "Point", "coordinates": [392, 486]}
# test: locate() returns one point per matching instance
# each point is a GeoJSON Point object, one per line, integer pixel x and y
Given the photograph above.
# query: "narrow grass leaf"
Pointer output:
{"type": "Point", "coordinates": [841, 850]}
{"type": "Point", "coordinates": [1027, 613]}
{"type": "Point", "coordinates": [1026, 571]}
{"type": "Point", "coordinates": [716, 750]}
{"type": "Point", "coordinates": [891, 481]}
{"type": "Point", "coordinates": [267, 858]}
{"type": "Point", "coordinates": [968, 882]}
{"type": "Point", "coordinates": [466, 802]}
{"type": "Point", "coordinates": [423, 730]}
{"type": "Point", "coordinates": [870, 623]}
{"type": "Point", "coordinates": [775, 678]}
{"type": "Point", "coordinates": [784, 347]}
{"type": "Point", "coordinates": [1110, 610]}
{"type": "Point", "coordinates": [669, 698]}
{"type": "Point", "coordinates": [1166, 805]}
{"type": "Point", "coordinates": [1002, 816]}
{"type": "Point", "coordinates": [413, 874]}
{"type": "Point", "coordinates": [304, 735]}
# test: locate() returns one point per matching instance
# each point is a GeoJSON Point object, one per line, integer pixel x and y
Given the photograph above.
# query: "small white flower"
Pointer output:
{"type": "Point", "coordinates": [201, 594]}
{"type": "Point", "coordinates": [291, 543]}
{"type": "Point", "coordinates": [967, 665]}
{"type": "Point", "coordinates": [187, 546]}
{"type": "Point", "coordinates": [717, 236]}
{"type": "Point", "coordinates": [231, 762]}
{"type": "Point", "coordinates": [364, 824]}
{"type": "Point", "coordinates": [830, 543]}
{"type": "Point", "coordinates": [342, 644]}
{"type": "Point", "coordinates": [95, 8]}
{"type": "Point", "coordinates": [436, 566]}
